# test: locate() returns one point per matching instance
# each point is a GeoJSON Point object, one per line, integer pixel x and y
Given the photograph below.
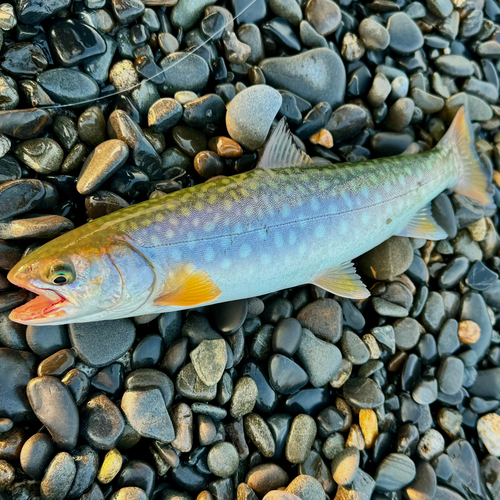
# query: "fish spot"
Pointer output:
{"type": "Point", "coordinates": [388, 221]}
{"type": "Point", "coordinates": [245, 250]}
{"type": "Point", "coordinates": [175, 254]}
{"type": "Point", "coordinates": [209, 254]}
{"type": "Point", "coordinates": [286, 211]}
{"type": "Point", "coordinates": [315, 204]}
{"type": "Point", "coordinates": [292, 237]}
{"type": "Point", "coordinates": [278, 240]}
{"type": "Point", "coordinates": [249, 211]}
{"type": "Point", "coordinates": [196, 222]}
{"type": "Point", "coordinates": [225, 264]}
{"type": "Point", "coordinates": [319, 231]}
{"type": "Point", "coordinates": [170, 233]}
{"type": "Point", "coordinates": [185, 211]}
{"type": "Point", "coordinates": [265, 259]}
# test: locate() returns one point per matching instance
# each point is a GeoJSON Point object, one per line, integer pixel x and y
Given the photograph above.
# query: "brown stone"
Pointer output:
{"type": "Point", "coordinates": [225, 147]}
{"type": "Point", "coordinates": [469, 332]}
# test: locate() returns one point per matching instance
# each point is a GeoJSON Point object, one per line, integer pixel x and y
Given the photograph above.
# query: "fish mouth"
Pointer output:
{"type": "Point", "coordinates": [46, 306]}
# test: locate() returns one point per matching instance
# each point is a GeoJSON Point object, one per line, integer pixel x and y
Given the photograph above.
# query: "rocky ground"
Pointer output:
{"type": "Point", "coordinates": [296, 395]}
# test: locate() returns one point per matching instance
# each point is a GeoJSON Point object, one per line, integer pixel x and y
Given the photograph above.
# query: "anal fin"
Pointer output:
{"type": "Point", "coordinates": [423, 225]}
{"type": "Point", "coordinates": [343, 280]}
{"type": "Point", "coordinates": [194, 289]}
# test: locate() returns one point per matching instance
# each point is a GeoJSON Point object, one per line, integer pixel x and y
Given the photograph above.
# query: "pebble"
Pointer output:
{"type": "Point", "coordinates": [376, 265]}
{"type": "Point", "coordinates": [323, 317]}
{"type": "Point", "coordinates": [86, 463]}
{"type": "Point", "coordinates": [164, 114]}
{"type": "Point", "coordinates": [260, 434]}
{"type": "Point", "coordinates": [373, 35]}
{"type": "Point", "coordinates": [36, 454]}
{"type": "Point", "coordinates": [300, 439]}
{"type": "Point", "coordinates": [68, 86]}
{"type": "Point", "coordinates": [286, 376]}
{"type": "Point", "coordinates": [262, 102]}
{"type": "Point", "coordinates": [323, 15]}
{"type": "Point", "coordinates": [469, 332]}
{"type": "Point", "coordinates": [54, 406]}
{"type": "Point", "coordinates": [320, 359]}
{"type": "Point", "coordinates": [265, 478]}
{"type": "Point", "coordinates": [44, 156]}
{"type": "Point", "coordinates": [209, 360]}
{"type": "Point", "coordinates": [146, 412]}
{"type": "Point", "coordinates": [19, 196]}
{"type": "Point", "coordinates": [244, 397]}
{"type": "Point", "coordinates": [362, 393]}
{"type": "Point", "coordinates": [110, 466]}
{"type": "Point", "coordinates": [58, 477]}
{"type": "Point", "coordinates": [306, 488]}
{"type": "Point", "coordinates": [450, 375]}
{"type": "Point", "coordinates": [488, 429]}
{"type": "Point", "coordinates": [223, 459]}
{"type": "Point", "coordinates": [24, 124]}
{"type": "Point", "coordinates": [191, 73]}
{"type": "Point", "coordinates": [101, 164]}
{"type": "Point", "coordinates": [405, 35]}
{"type": "Point", "coordinates": [101, 343]}
{"type": "Point", "coordinates": [394, 472]}
{"type": "Point", "coordinates": [345, 465]}
{"type": "Point", "coordinates": [294, 73]}
{"type": "Point", "coordinates": [102, 423]}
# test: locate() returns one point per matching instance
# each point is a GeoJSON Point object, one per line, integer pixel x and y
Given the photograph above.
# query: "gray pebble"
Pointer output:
{"type": "Point", "coordinates": [43, 155]}
{"type": "Point", "coordinates": [300, 439]}
{"type": "Point", "coordinates": [450, 375]}
{"type": "Point", "coordinates": [407, 333]}
{"type": "Point", "coordinates": [190, 386]}
{"type": "Point", "coordinates": [373, 34]}
{"type": "Point", "coordinates": [189, 73]}
{"type": "Point", "coordinates": [251, 113]}
{"type": "Point", "coordinates": [222, 459]}
{"type": "Point", "coordinates": [259, 433]}
{"type": "Point", "coordinates": [146, 412]}
{"type": "Point", "coordinates": [244, 397]}
{"type": "Point", "coordinates": [209, 360]}
{"type": "Point", "coordinates": [58, 477]}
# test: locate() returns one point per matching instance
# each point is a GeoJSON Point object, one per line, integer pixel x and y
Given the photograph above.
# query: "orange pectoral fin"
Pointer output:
{"type": "Point", "coordinates": [198, 288]}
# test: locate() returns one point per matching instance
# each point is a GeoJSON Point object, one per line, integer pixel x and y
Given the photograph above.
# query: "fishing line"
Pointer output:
{"type": "Point", "coordinates": [137, 85]}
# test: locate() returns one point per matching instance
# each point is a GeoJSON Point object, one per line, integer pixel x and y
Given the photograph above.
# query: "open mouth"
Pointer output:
{"type": "Point", "coordinates": [50, 304]}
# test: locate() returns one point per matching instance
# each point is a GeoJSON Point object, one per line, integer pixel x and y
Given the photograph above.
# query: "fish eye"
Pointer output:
{"type": "Point", "coordinates": [61, 275]}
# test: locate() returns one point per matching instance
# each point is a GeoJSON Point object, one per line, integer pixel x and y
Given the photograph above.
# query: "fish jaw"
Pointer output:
{"type": "Point", "coordinates": [43, 309]}
{"type": "Point", "coordinates": [47, 306]}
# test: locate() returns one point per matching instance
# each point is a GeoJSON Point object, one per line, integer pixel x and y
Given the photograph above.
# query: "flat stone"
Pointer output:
{"type": "Point", "coordinates": [68, 86]}
{"type": "Point", "coordinates": [260, 434]}
{"type": "Point", "coordinates": [147, 413]}
{"type": "Point", "coordinates": [308, 75]}
{"type": "Point", "coordinates": [190, 73]}
{"type": "Point", "coordinates": [36, 454]}
{"type": "Point", "coordinates": [43, 155]}
{"type": "Point", "coordinates": [323, 15]}
{"type": "Point", "coordinates": [320, 359]}
{"type": "Point", "coordinates": [300, 439]}
{"type": "Point", "coordinates": [55, 407]}
{"type": "Point", "coordinates": [363, 393]}
{"type": "Point", "coordinates": [405, 35]}
{"type": "Point", "coordinates": [353, 348]}
{"type": "Point", "coordinates": [450, 375]}
{"type": "Point", "coordinates": [58, 477]}
{"type": "Point", "coordinates": [19, 196]}
{"type": "Point", "coordinates": [285, 375]}
{"type": "Point", "coordinates": [190, 386]}
{"type": "Point", "coordinates": [86, 462]}
{"type": "Point", "coordinates": [265, 478]}
{"type": "Point", "coordinates": [222, 459]}
{"type": "Point", "coordinates": [33, 13]}
{"type": "Point", "coordinates": [345, 465]}
{"type": "Point", "coordinates": [306, 488]}
{"type": "Point", "coordinates": [244, 397]}
{"type": "Point", "coordinates": [394, 472]}
{"type": "Point", "coordinates": [324, 318]}
{"type": "Point", "coordinates": [488, 429]}
{"type": "Point", "coordinates": [24, 123]}
{"type": "Point", "coordinates": [209, 360]}
{"type": "Point", "coordinates": [103, 342]}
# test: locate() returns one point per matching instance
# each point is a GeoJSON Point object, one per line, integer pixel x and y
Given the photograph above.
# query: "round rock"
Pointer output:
{"type": "Point", "coordinates": [394, 472]}
{"type": "Point", "coordinates": [58, 477]}
{"type": "Point", "coordinates": [363, 393]}
{"type": "Point", "coordinates": [251, 113]}
{"type": "Point", "coordinates": [222, 459]}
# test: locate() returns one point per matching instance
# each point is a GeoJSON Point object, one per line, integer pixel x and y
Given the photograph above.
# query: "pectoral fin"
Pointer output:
{"type": "Point", "coordinates": [194, 288]}
{"type": "Point", "coordinates": [423, 225]}
{"type": "Point", "coordinates": [342, 280]}
{"type": "Point", "coordinates": [281, 152]}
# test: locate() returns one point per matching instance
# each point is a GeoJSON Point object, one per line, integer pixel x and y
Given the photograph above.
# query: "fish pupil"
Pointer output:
{"type": "Point", "coordinates": [60, 280]}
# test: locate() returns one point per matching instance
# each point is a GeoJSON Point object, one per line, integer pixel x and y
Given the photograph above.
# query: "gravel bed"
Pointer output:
{"type": "Point", "coordinates": [298, 395]}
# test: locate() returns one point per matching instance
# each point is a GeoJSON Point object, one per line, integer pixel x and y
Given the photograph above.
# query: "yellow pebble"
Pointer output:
{"type": "Point", "coordinates": [469, 332]}
{"type": "Point", "coordinates": [369, 426]}
{"type": "Point", "coordinates": [496, 177]}
{"type": "Point", "coordinates": [110, 467]}
{"type": "Point", "coordinates": [323, 138]}
{"type": "Point", "coordinates": [478, 230]}
{"type": "Point", "coordinates": [355, 438]}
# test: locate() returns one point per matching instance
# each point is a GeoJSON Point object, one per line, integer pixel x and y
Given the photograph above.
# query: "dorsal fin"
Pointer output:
{"type": "Point", "coordinates": [281, 152]}
{"type": "Point", "coordinates": [423, 225]}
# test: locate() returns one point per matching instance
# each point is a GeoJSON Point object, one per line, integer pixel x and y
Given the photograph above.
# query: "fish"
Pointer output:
{"type": "Point", "coordinates": [284, 224]}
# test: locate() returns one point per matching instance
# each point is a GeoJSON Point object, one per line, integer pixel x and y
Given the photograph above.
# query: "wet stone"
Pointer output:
{"type": "Point", "coordinates": [36, 454]}
{"type": "Point", "coordinates": [323, 317]}
{"type": "Point", "coordinates": [19, 196]}
{"type": "Point", "coordinates": [266, 477]}
{"type": "Point", "coordinates": [244, 397]}
{"type": "Point", "coordinates": [223, 459]}
{"type": "Point", "coordinates": [24, 124]}
{"type": "Point", "coordinates": [450, 375]}
{"type": "Point", "coordinates": [164, 114]}
{"type": "Point", "coordinates": [190, 74]}
{"type": "Point", "coordinates": [45, 156]}
{"type": "Point", "coordinates": [73, 42]}
{"type": "Point", "coordinates": [209, 360]}
{"type": "Point", "coordinates": [190, 386]}
{"type": "Point", "coordinates": [488, 429]}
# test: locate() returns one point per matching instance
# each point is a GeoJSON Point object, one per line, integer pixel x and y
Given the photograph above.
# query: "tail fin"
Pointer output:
{"type": "Point", "coordinates": [472, 178]}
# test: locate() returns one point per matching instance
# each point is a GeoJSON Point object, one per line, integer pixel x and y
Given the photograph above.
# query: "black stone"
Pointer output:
{"type": "Point", "coordinates": [363, 393]}
{"type": "Point", "coordinates": [267, 398]}
{"type": "Point", "coordinates": [149, 377]}
{"type": "Point", "coordinates": [87, 465]}
{"type": "Point", "coordinates": [411, 372]}
{"type": "Point", "coordinates": [315, 120]}
{"type": "Point", "coordinates": [286, 336]}
{"type": "Point", "coordinates": [285, 375]}
{"type": "Point", "coordinates": [189, 479]}
{"type": "Point", "coordinates": [34, 12]}
{"type": "Point", "coordinates": [148, 352]}
{"type": "Point", "coordinates": [467, 210]}
{"type": "Point", "coordinates": [139, 474]}
{"type": "Point", "coordinates": [473, 307]}
{"type": "Point", "coordinates": [207, 109]}
{"type": "Point", "coordinates": [229, 316]}
{"type": "Point", "coordinates": [479, 277]}
{"type": "Point", "coordinates": [444, 215]}
{"type": "Point", "coordinates": [394, 472]}
{"type": "Point", "coordinates": [409, 410]}
{"type": "Point", "coordinates": [109, 379]}
{"type": "Point", "coordinates": [427, 349]}
{"type": "Point", "coordinates": [329, 421]}
{"type": "Point", "coordinates": [310, 401]}
{"type": "Point", "coordinates": [245, 13]}
{"type": "Point", "coordinates": [73, 42]}
{"type": "Point", "coordinates": [129, 182]}
{"type": "Point", "coordinates": [36, 454]}
{"type": "Point", "coordinates": [455, 270]}
{"type": "Point", "coordinates": [24, 60]}
{"type": "Point", "coordinates": [78, 384]}
{"type": "Point", "coordinates": [281, 31]}
{"type": "Point", "coordinates": [279, 425]}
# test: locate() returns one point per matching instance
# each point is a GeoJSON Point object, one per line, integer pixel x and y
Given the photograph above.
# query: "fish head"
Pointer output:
{"type": "Point", "coordinates": [81, 280]}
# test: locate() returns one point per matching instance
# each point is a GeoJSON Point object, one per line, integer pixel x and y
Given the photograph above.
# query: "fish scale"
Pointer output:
{"type": "Point", "coordinates": [281, 225]}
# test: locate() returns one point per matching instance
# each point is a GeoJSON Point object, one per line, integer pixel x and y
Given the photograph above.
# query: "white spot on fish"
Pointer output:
{"type": "Point", "coordinates": [196, 222]}
{"type": "Point", "coordinates": [265, 259]}
{"type": "Point", "coordinates": [278, 240]}
{"type": "Point", "coordinates": [343, 227]}
{"type": "Point", "coordinates": [245, 250]}
{"type": "Point", "coordinates": [292, 237]}
{"type": "Point", "coordinates": [315, 204]}
{"type": "Point", "coordinates": [175, 254]}
{"type": "Point", "coordinates": [365, 218]}
{"type": "Point", "coordinates": [365, 191]}
{"type": "Point", "coordinates": [302, 249]}
{"type": "Point", "coordinates": [170, 233]}
{"type": "Point", "coordinates": [388, 187]}
{"type": "Point", "coordinates": [285, 211]}
{"type": "Point", "coordinates": [225, 264]}
{"type": "Point", "coordinates": [319, 231]}
{"type": "Point", "coordinates": [209, 226]}
{"type": "Point", "coordinates": [402, 180]}
{"type": "Point", "coordinates": [209, 254]}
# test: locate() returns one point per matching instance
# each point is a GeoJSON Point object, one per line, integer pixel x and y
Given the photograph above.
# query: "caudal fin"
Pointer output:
{"type": "Point", "coordinates": [472, 178]}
